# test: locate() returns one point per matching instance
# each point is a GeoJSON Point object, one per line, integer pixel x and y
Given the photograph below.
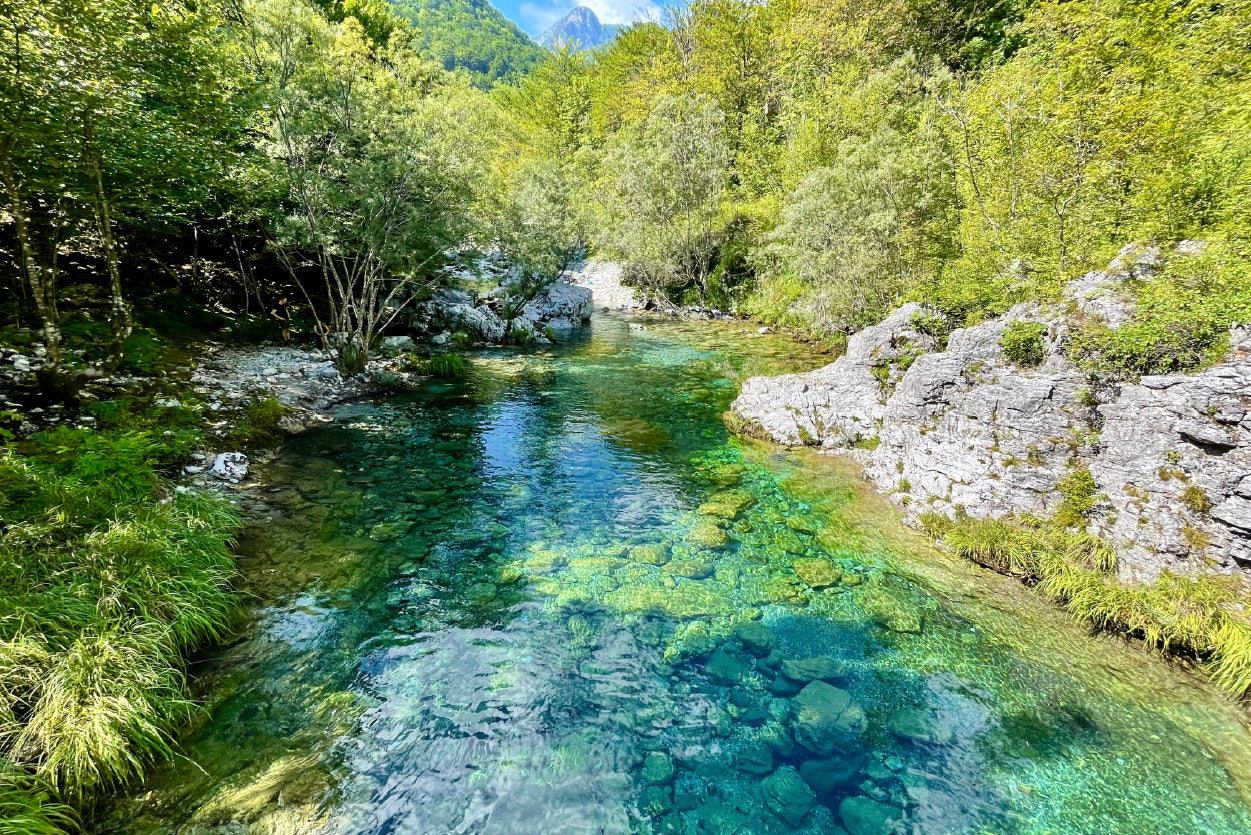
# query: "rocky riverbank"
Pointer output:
{"type": "Point", "coordinates": [960, 428]}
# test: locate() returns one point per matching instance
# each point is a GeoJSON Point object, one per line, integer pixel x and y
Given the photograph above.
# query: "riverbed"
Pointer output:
{"type": "Point", "coordinates": [559, 597]}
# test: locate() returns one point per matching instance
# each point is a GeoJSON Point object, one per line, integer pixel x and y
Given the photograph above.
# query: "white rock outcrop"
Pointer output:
{"type": "Point", "coordinates": [963, 429]}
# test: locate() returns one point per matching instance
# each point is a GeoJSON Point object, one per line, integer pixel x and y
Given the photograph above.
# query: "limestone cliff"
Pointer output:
{"type": "Point", "coordinates": [964, 428]}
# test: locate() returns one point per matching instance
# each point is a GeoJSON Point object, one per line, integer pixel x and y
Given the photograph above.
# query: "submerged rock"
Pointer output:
{"type": "Point", "coordinates": [707, 535]}
{"type": "Point", "coordinates": [756, 639]}
{"type": "Point", "coordinates": [788, 795]}
{"type": "Point", "coordinates": [826, 720]}
{"type": "Point", "coordinates": [827, 776]}
{"type": "Point", "coordinates": [920, 725]}
{"type": "Point", "coordinates": [865, 816]}
{"type": "Point", "coordinates": [658, 768]}
{"type": "Point", "coordinates": [890, 603]}
{"type": "Point", "coordinates": [651, 553]}
{"type": "Point", "coordinates": [817, 573]}
{"type": "Point", "coordinates": [388, 531]}
{"type": "Point", "coordinates": [821, 668]}
{"type": "Point", "coordinates": [725, 668]}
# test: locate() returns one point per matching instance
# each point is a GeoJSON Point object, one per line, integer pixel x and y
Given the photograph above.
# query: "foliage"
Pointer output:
{"type": "Point", "coordinates": [27, 806]}
{"type": "Point", "coordinates": [664, 194]}
{"type": "Point", "coordinates": [1024, 343]}
{"type": "Point", "coordinates": [377, 165]}
{"type": "Point", "coordinates": [1182, 317]}
{"type": "Point", "coordinates": [1203, 617]}
{"type": "Point", "coordinates": [1079, 490]}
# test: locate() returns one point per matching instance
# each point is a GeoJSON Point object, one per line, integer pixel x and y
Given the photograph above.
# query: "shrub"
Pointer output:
{"type": "Point", "coordinates": [1181, 321]}
{"type": "Point", "coordinates": [1079, 490]}
{"type": "Point", "coordinates": [1024, 343]}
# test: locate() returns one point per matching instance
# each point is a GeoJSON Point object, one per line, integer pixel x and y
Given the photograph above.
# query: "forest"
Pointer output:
{"type": "Point", "coordinates": [812, 164]}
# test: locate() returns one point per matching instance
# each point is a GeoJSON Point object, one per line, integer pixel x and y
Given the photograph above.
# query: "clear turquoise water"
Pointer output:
{"type": "Point", "coordinates": [559, 598]}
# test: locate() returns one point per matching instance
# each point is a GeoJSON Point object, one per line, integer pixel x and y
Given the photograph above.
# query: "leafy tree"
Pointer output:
{"type": "Point", "coordinates": [665, 193]}
{"type": "Point", "coordinates": [376, 182]}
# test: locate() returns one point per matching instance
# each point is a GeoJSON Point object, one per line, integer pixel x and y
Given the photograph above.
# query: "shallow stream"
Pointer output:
{"type": "Point", "coordinates": [559, 598]}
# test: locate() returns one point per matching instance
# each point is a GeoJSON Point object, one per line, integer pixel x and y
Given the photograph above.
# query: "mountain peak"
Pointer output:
{"type": "Point", "coordinates": [581, 28]}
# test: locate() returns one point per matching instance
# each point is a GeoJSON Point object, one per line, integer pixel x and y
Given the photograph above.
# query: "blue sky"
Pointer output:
{"type": "Point", "coordinates": [535, 16]}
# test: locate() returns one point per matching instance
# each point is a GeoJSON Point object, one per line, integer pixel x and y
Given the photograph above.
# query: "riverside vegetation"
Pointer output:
{"type": "Point", "coordinates": [800, 162]}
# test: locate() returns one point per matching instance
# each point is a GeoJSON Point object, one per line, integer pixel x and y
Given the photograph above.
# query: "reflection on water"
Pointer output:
{"type": "Point", "coordinates": [557, 598]}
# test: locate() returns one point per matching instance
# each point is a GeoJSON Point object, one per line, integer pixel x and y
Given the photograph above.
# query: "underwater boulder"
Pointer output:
{"type": "Point", "coordinates": [817, 573]}
{"type": "Point", "coordinates": [826, 720]}
{"type": "Point", "coordinates": [756, 638]}
{"type": "Point", "coordinates": [788, 795]}
{"type": "Point", "coordinates": [653, 553]}
{"type": "Point", "coordinates": [892, 604]}
{"type": "Point", "coordinates": [658, 769]}
{"type": "Point", "coordinates": [707, 535]}
{"type": "Point", "coordinates": [920, 724]}
{"type": "Point", "coordinates": [724, 668]}
{"type": "Point", "coordinates": [865, 816]}
{"type": "Point", "coordinates": [830, 775]}
{"type": "Point", "coordinates": [821, 668]}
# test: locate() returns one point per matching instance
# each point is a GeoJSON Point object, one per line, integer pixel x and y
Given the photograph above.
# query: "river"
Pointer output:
{"type": "Point", "coordinates": [559, 597]}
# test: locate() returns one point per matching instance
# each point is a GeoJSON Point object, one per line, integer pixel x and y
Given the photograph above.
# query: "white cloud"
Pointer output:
{"type": "Point", "coordinates": [538, 16]}
{"type": "Point", "coordinates": [622, 11]}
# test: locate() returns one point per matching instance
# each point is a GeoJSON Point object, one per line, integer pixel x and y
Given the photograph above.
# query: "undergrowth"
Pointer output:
{"type": "Point", "coordinates": [1201, 617]}
{"type": "Point", "coordinates": [107, 581]}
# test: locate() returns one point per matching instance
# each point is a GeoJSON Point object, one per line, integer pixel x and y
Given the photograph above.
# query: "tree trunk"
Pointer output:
{"type": "Point", "coordinates": [42, 284]}
{"type": "Point", "coordinates": [119, 314]}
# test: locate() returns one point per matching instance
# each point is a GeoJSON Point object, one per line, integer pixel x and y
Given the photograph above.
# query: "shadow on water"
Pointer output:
{"type": "Point", "coordinates": [558, 598]}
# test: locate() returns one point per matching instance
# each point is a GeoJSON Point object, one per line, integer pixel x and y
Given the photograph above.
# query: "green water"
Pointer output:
{"type": "Point", "coordinates": [559, 598]}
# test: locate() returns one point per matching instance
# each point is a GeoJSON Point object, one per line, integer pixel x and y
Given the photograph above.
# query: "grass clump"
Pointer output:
{"type": "Point", "coordinates": [107, 582]}
{"type": "Point", "coordinates": [1203, 618]}
{"type": "Point", "coordinates": [1080, 494]}
{"type": "Point", "coordinates": [27, 805]}
{"type": "Point", "coordinates": [1024, 343]}
{"type": "Point", "coordinates": [449, 366]}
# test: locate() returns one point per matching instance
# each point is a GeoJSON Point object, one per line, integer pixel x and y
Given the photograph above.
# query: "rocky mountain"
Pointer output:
{"type": "Point", "coordinates": [581, 27]}
{"type": "Point", "coordinates": [960, 428]}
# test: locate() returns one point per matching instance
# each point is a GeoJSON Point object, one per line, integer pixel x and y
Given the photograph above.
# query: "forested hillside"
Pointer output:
{"type": "Point", "coordinates": [815, 163]}
{"type": "Point", "coordinates": [470, 35]}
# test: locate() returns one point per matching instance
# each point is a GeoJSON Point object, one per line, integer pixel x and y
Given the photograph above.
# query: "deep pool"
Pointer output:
{"type": "Point", "coordinates": [560, 598]}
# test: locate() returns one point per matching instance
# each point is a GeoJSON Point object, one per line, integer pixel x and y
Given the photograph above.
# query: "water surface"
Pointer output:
{"type": "Point", "coordinates": [559, 598]}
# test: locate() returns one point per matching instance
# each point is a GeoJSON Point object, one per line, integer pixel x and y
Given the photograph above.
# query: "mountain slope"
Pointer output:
{"type": "Point", "coordinates": [581, 27]}
{"type": "Point", "coordinates": [471, 35]}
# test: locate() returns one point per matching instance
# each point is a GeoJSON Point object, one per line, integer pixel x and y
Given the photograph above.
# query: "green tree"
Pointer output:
{"type": "Point", "coordinates": [665, 192]}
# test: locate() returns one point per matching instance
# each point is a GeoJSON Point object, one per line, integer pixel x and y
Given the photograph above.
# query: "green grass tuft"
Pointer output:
{"type": "Point", "coordinates": [106, 583]}
{"type": "Point", "coordinates": [1203, 617]}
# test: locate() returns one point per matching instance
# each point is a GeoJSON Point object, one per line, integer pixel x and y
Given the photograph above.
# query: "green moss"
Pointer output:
{"type": "Point", "coordinates": [258, 427]}
{"type": "Point", "coordinates": [1195, 499]}
{"type": "Point", "coordinates": [1024, 343]}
